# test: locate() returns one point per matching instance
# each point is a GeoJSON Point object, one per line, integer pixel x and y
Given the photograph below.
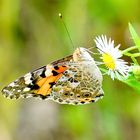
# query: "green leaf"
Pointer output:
{"type": "Point", "coordinates": [133, 82]}
{"type": "Point", "coordinates": [135, 36]}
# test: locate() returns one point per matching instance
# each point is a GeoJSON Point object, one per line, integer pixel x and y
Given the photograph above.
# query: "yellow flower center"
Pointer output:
{"type": "Point", "coordinates": [109, 61]}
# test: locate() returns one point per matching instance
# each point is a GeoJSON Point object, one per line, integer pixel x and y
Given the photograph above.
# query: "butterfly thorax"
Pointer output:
{"type": "Point", "coordinates": [81, 54]}
{"type": "Point", "coordinates": [87, 62]}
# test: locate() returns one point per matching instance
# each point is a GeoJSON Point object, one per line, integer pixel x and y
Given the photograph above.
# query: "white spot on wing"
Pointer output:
{"type": "Point", "coordinates": [26, 89]}
{"type": "Point", "coordinates": [12, 84]}
{"type": "Point", "coordinates": [28, 81]}
{"type": "Point", "coordinates": [48, 72]}
{"type": "Point", "coordinates": [27, 78]}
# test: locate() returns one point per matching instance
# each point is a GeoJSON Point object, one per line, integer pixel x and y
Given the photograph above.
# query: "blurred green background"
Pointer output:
{"type": "Point", "coordinates": [32, 35]}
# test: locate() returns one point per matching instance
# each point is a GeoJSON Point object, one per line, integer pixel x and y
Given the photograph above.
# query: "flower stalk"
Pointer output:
{"type": "Point", "coordinates": [133, 56]}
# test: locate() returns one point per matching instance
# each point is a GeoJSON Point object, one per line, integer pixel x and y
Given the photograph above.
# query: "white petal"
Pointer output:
{"type": "Point", "coordinates": [105, 45]}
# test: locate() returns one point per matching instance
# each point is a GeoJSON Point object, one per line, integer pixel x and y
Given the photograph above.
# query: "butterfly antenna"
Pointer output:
{"type": "Point", "coordinates": [60, 15]}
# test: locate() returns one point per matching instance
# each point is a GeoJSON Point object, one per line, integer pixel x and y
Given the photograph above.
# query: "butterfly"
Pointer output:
{"type": "Point", "coordinates": [75, 80]}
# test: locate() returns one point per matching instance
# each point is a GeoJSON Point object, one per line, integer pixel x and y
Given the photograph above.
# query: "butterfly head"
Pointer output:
{"type": "Point", "coordinates": [81, 54]}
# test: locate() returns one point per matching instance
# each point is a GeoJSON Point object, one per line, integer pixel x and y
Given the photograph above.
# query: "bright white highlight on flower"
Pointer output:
{"type": "Point", "coordinates": [111, 57]}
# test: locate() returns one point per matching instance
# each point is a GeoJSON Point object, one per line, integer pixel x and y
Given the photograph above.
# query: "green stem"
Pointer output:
{"type": "Point", "coordinates": [134, 60]}
{"type": "Point", "coordinates": [135, 55]}
{"type": "Point", "coordinates": [132, 55]}
{"type": "Point", "coordinates": [129, 49]}
{"type": "Point", "coordinates": [128, 54]}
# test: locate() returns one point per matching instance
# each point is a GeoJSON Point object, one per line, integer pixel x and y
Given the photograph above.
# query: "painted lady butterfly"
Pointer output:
{"type": "Point", "coordinates": [75, 79]}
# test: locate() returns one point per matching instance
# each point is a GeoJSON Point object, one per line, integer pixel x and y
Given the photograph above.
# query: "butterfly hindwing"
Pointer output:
{"type": "Point", "coordinates": [76, 87]}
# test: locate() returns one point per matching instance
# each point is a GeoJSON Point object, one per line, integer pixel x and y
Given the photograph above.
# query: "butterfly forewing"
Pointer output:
{"type": "Point", "coordinates": [35, 84]}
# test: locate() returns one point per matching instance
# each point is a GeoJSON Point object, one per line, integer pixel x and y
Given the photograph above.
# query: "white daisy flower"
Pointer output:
{"type": "Point", "coordinates": [111, 57]}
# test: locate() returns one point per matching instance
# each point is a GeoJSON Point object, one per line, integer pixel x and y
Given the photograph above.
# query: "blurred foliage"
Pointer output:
{"type": "Point", "coordinates": [32, 35]}
{"type": "Point", "coordinates": [133, 78]}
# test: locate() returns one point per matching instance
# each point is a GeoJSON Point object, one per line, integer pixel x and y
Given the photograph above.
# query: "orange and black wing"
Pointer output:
{"type": "Point", "coordinates": [37, 83]}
